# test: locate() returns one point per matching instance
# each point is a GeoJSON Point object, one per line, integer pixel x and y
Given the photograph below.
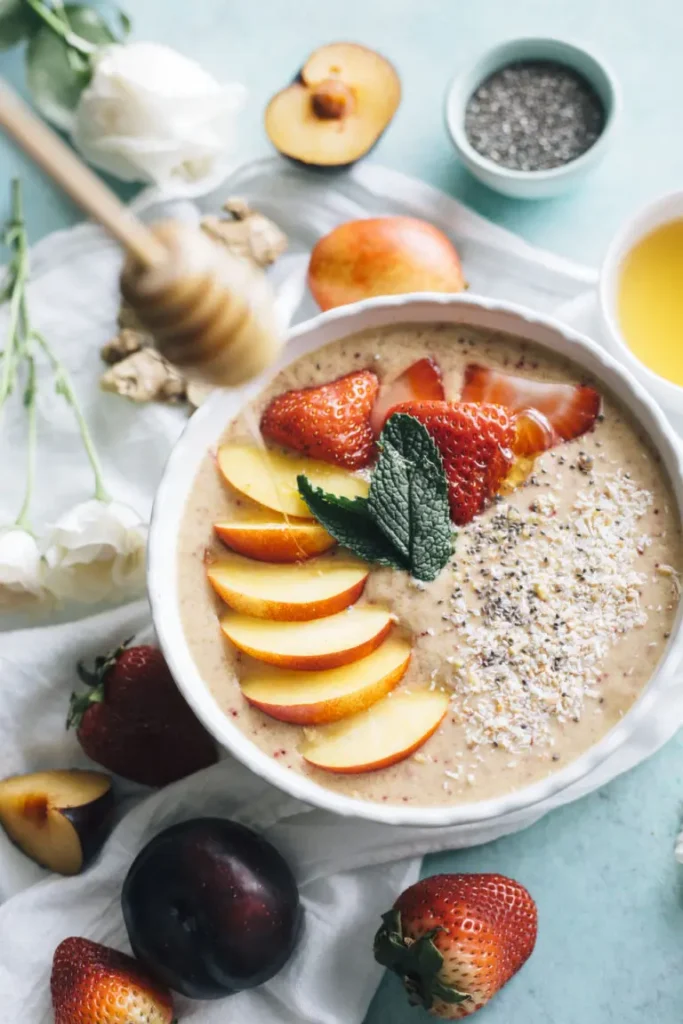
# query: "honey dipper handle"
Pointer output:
{"type": "Point", "coordinates": [47, 150]}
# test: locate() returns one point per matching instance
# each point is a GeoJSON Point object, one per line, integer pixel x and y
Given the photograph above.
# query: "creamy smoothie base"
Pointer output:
{"type": "Point", "coordinates": [545, 626]}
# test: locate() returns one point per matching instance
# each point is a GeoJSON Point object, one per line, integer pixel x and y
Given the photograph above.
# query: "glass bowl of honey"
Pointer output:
{"type": "Point", "coordinates": [641, 297]}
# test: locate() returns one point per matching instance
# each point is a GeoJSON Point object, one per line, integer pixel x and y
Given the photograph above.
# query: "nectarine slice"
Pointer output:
{"type": "Point", "coordinates": [292, 540]}
{"type": "Point", "coordinates": [269, 477]}
{"type": "Point", "coordinates": [388, 732]}
{"type": "Point", "coordinates": [311, 698]}
{"type": "Point", "coordinates": [291, 593]}
{"type": "Point", "coordinates": [320, 643]}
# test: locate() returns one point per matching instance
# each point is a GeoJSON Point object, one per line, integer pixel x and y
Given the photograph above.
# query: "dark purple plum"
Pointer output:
{"type": "Point", "coordinates": [211, 908]}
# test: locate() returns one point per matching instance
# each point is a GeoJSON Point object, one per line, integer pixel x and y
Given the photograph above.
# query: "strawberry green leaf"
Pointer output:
{"type": "Point", "coordinates": [417, 962]}
{"type": "Point", "coordinates": [408, 496]}
{"type": "Point", "coordinates": [348, 520]}
{"type": "Point", "coordinates": [94, 679]}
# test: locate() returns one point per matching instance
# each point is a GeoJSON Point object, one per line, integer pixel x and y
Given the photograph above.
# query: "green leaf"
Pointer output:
{"type": "Point", "coordinates": [408, 496]}
{"type": "Point", "coordinates": [17, 22]}
{"type": "Point", "coordinates": [417, 962]}
{"type": "Point", "coordinates": [56, 73]}
{"type": "Point", "coordinates": [348, 520]}
{"type": "Point", "coordinates": [405, 522]}
{"type": "Point", "coordinates": [125, 24]}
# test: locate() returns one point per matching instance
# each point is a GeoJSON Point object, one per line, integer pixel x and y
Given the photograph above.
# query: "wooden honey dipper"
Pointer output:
{"type": "Point", "coordinates": [210, 313]}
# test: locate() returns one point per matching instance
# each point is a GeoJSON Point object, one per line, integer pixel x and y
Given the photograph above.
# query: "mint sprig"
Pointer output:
{"type": "Point", "coordinates": [348, 520]}
{"type": "Point", "coordinates": [404, 523]}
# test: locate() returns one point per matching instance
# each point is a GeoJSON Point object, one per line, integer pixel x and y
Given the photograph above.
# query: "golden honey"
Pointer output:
{"type": "Point", "coordinates": [650, 300]}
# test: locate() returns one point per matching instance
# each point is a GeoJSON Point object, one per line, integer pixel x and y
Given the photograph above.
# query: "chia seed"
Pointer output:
{"type": "Point", "coordinates": [534, 116]}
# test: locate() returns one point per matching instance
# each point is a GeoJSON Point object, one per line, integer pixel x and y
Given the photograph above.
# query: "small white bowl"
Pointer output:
{"type": "Point", "coordinates": [207, 425]}
{"type": "Point", "coordinates": [531, 184]}
{"type": "Point", "coordinates": [661, 211]}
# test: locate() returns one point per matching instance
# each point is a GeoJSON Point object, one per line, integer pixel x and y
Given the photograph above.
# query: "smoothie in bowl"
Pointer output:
{"type": "Point", "coordinates": [532, 641]}
{"type": "Point", "coordinates": [355, 639]}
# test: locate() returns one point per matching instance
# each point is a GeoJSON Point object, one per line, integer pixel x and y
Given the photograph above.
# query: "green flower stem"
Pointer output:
{"type": "Point", "coordinates": [65, 388]}
{"type": "Point", "coordinates": [17, 273]}
{"type": "Point", "coordinates": [23, 519]}
{"type": "Point", "coordinates": [21, 336]}
{"type": "Point", "coordinates": [59, 23]}
{"type": "Point", "coordinates": [16, 347]}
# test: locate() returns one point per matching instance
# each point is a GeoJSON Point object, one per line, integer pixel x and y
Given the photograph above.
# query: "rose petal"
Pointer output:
{"type": "Point", "coordinates": [151, 114]}
{"type": "Point", "coordinates": [22, 570]}
{"type": "Point", "coordinates": [96, 550]}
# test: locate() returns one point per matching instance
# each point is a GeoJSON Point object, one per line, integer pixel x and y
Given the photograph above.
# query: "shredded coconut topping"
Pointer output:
{"type": "Point", "coordinates": [538, 607]}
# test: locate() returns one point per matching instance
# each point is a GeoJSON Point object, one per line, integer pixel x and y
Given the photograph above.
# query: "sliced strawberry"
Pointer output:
{"type": "Point", "coordinates": [533, 433]}
{"type": "Point", "coordinates": [571, 409]}
{"type": "Point", "coordinates": [421, 382]}
{"type": "Point", "coordinates": [476, 444]}
{"type": "Point", "coordinates": [330, 422]}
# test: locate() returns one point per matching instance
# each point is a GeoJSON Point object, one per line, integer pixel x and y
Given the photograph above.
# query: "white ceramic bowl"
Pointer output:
{"type": "Point", "coordinates": [208, 423]}
{"type": "Point", "coordinates": [531, 184]}
{"type": "Point", "coordinates": [661, 211]}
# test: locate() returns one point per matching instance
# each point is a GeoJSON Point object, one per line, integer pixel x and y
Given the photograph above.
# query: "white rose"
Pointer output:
{"type": "Point", "coordinates": [96, 551]}
{"type": "Point", "coordinates": [151, 114]}
{"type": "Point", "coordinates": [22, 570]}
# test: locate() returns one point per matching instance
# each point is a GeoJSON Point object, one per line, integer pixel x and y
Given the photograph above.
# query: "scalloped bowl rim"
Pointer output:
{"type": "Point", "coordinates": [204, 429]}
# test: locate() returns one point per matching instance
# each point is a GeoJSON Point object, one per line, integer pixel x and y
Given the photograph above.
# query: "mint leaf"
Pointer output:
{"type": "Point", "coordinates": [349, 521]}
{"type": "Point", "coordinates": [408, 496]}
{"type": "Point", "coordinates": [405, 521]}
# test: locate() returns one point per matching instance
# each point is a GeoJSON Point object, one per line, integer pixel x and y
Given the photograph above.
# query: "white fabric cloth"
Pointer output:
{"type": "Point", "coordinates": [348, 871]}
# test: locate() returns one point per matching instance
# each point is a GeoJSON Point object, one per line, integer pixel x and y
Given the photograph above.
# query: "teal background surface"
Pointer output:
{"type": "Point", "coordinates": [602, 871]}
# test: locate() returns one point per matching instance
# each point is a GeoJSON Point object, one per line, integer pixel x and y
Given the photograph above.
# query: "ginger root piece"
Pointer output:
{"type": "Point", "coordinates": [246, 232]}
{"type": "Point", "coordinates": [131, 337]}
{"type": "Point", "coordinates": [145, 376]}
{"type": "Point", "coordinates": [124, 344]}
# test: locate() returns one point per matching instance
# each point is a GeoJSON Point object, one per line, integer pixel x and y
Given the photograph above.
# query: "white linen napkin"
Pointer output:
{"type": "Point", "coordinates": [348, 871]}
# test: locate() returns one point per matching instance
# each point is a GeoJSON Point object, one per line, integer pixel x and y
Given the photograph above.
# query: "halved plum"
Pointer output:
{"type": "Point", "coordinates": [333, 113]}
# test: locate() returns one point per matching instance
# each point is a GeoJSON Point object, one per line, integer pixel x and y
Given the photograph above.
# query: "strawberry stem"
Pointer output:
{"type": "Point", "coordinates": [418, 963]}
{"type": "Point", "coordinates": [79, 704]}
{"type": "Point", "coordinates": [94, 679]}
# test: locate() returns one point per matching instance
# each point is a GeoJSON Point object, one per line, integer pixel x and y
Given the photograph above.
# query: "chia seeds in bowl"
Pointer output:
{"type": "Point", "coordinates": [531, 117]}
{"type": "Point", "coordinates": [534, 116]}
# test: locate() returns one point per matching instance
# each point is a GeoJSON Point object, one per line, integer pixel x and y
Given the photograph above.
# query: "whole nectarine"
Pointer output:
{"type": "Point", "coordinates": [382, 256]}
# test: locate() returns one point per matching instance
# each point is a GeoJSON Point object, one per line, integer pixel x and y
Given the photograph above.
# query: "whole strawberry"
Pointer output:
{"type": "Point", "coordinates": [455, 940]}
{"type": "Point", "coordinates": [134, 721]}
{"type": "Point", "coordinates": [476, 442]}
{"type": "Point", "coordinates": [93, 984]}
{"type": "Point", "coordinates": [330, 422]}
